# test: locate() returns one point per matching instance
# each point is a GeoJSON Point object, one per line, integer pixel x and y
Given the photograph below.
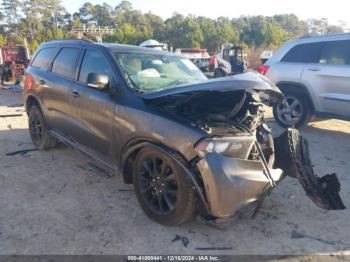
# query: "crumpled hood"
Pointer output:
{"type": "Point", "coordinates": [249, 82]}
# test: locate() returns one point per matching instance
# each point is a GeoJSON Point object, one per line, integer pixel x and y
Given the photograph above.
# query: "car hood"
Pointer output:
{"type": "Point", "coordinates": [248, 82]}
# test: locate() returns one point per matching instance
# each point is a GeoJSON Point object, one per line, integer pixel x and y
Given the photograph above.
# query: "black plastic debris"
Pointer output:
{"type": "Point", "coordinates": [125, 190]}
{"type": "Point", "coordinates": [177, 237]}
{"type": "Point", "coordinates": [11, 115]}
{"type": "Point", "coordinates": [183, 239]}
{"type": "Point", "coordinates": [21, 152]}
{"type": "Point", "coordinates": [15, 105]}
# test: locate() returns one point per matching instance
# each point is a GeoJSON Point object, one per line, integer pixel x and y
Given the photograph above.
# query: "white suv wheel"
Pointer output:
{"type": "Point", "coordinates": [290, 111]}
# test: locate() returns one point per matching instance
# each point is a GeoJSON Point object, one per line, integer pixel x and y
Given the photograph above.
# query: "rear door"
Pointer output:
{"type": "Point", "coordinates": [59, 90]}
{"type": "Point", "coordinates": [95, 112]}
{"type": "Point", "coordinates": [37, 75]}
{"type": "Point", "coordinates": [329, 79]}
{"type": "Point", "coordinates": [293, 63]}
{"type": "Point", "coordinates": [38, 72]}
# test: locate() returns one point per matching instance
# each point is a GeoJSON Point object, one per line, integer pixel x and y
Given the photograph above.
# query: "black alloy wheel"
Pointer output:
{"type": "Point", "coordinates": [39, 133]}
{"type": "Point", "coordinates": [36, 128]}
{"type": "Point", "coordinates": [162, 188]}
{"type": "Point", "coordinates": [158, 185]}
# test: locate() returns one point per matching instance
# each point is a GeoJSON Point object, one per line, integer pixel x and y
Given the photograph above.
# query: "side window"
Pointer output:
{"type": "Point", "coordinates": [65, 62]}
{"type": "Point", "coordinates": [43, 58]}
{"type": "Point", "coordinates": [93, 62]}
{"type": "Point", "coordinates": [304, 53]}
{"type": "Point", "coordinates": [335, 53]}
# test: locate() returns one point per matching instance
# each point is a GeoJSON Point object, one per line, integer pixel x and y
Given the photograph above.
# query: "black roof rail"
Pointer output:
{"type": "Point", "coordinates": [72, 39]}
{"type": "Point", "coordinates": [324, 35]}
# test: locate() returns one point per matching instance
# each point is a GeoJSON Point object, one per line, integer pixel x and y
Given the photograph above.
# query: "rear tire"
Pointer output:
{"type": "Point", "coordinates": [296, 113]}
{"type": "Point", "coordinates": [39, 133]}
{"type": "Point", "coordinates": [162, 188]}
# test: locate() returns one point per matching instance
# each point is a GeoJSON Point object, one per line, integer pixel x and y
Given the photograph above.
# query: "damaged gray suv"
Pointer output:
{"type": "Point", "coordinates": [189, 145]}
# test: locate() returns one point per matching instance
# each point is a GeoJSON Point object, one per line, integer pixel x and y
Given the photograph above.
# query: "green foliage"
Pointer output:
{"type": "Point", "coordinates": [33, 45]}
{"type": "Point", "coordinates": [291, 24]}
{"type": "Point", "coordinates": [42, 20]}
{"type": "Point", "coordinates": [11, 12]}
{"type": "Point", "coordinates": [2, 40]}
{"type": "Point", "coordinates": [331, 29]}
{"type": "Point", "coordinates": [226, 32]}
{"type": "Point", "coordinates": [210, 33]}
{"type": "Point", "coordinates": [321, 26]}
{"type": "Point", "coordinates": [262, 31]}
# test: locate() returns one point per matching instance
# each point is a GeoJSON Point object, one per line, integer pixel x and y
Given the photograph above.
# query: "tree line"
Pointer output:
{"type": "Point", "coordinates": [42, 20]}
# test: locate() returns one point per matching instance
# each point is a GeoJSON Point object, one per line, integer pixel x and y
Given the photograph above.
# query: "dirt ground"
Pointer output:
{"type": "Point", "coordinates": [53, 203]}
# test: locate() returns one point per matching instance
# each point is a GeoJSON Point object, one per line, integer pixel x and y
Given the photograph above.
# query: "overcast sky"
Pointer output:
{"type": "Point", "coordinates": [335, 10]}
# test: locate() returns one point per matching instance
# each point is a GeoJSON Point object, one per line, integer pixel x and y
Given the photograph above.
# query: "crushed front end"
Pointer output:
{"type": "Point", "coordinates": [241, 165]}
{"type": "Point", "coordinates": [239, 161]}
{"type": "Point", "coordinates": [232, 184]}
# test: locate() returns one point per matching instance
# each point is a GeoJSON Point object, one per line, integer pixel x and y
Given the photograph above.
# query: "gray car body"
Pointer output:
{"type": "Point", "coordinates": [111, 125]}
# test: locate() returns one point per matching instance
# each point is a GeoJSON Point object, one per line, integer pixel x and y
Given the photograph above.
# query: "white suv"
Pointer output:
{"type": "Point", "coordinates": [314, 74]}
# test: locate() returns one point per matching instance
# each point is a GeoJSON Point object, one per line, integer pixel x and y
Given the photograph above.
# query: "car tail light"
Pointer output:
{"type": "Point", "coordinates": [28, 82]}
{"type": "Point", "coordinates": [262, 69]}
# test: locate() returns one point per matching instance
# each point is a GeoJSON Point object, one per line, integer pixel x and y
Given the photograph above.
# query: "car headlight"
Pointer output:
{"type": "Point", "coordinates": [237, 147]}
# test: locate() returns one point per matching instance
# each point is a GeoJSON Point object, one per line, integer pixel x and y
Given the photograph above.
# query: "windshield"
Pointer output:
{"type": "Point", "coordinates": [155, 72]}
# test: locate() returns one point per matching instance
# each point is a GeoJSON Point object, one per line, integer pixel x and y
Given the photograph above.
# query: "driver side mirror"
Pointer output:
{"type": "Point", "coordinates": [97, 81]}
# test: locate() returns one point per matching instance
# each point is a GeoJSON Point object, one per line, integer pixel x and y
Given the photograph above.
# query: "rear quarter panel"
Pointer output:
{"type": "Point", "coordinates": [286, 72]}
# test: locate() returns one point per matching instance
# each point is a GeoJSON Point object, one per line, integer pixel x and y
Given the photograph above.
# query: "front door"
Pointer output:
{"type": "Point", "coordinates": [329, 79]}
{"type": "Point", "coordinates": [94, 108]}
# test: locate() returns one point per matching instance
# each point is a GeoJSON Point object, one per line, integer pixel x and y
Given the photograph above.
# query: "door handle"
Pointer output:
{"type": "Point", "coordinates": [313, 69]}
{"type": "Point", "coordinates": [42, 82]}
{"type": "Point", "coordinates": [75, 94]}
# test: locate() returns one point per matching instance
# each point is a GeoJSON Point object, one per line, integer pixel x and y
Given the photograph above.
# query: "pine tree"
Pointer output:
{"type": "Point", "coordinates": [11, 12]}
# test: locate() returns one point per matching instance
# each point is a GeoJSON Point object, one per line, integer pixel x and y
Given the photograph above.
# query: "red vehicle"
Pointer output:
{"type": "Point", "coordinates": [16, 59]}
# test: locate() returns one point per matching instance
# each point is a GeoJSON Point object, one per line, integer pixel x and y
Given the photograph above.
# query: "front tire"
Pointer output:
{"type": "Point", "coordinates": [39, 133]}
{"type": "Point", "coordinates": [294, 111]}
{"type": "Point", "coordinates": [162, 189]}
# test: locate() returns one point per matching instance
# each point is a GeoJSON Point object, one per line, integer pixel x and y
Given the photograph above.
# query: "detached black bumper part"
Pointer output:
{"type": "Point", "coordinates": [292, 156]}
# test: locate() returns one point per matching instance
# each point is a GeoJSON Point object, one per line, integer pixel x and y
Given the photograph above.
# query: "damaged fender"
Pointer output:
{"type": "Point", "coordinates": [292, 156]}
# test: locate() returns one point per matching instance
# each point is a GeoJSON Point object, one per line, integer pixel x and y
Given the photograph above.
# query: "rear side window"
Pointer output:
{"type": "Point", "coordinates": [94, 62]}
{"type": "Point", "coordinates": [65, 62]}
{"type": "Point", "coordinates": [335, 53]}
{"type": "Point", "coordinates": [304, 53]}
{"type": "Point", "coordinates": [43, 58]}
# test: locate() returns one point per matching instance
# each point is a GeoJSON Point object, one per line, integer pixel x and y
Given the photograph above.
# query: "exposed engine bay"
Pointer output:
{"type": "Point", "coordinates": [225, 114]}
{"type": "Point", "coordinates": [240, 113]}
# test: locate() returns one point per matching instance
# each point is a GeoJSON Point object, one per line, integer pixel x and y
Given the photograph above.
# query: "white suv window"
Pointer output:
{"type": "Point", "coordinates": [303, 53]}
{"type": "Point", "coordinates": [335, 53]}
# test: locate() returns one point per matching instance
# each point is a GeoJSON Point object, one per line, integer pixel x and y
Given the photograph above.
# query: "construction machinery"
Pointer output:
{"type": "Point", "coordinates": [230, 61]}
